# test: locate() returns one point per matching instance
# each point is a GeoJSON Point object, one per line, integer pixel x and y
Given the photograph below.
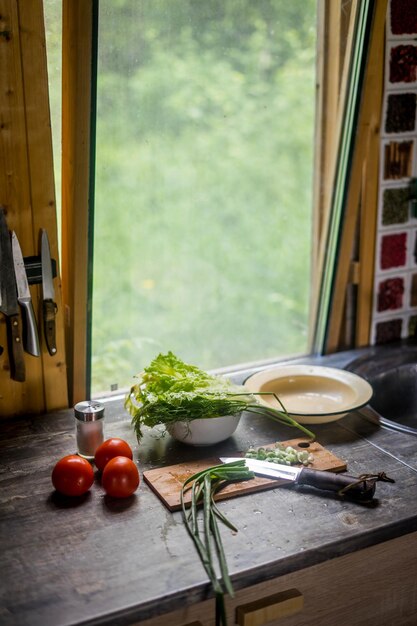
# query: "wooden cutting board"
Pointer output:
{"type": "Point", "coordinates": [167, 481]}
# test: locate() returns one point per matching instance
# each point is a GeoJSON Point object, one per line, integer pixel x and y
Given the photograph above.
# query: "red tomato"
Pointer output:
{"type": "Point", "coordinates": [109, 449]}
{"type": "Point", "coordinates": [120, 477]}
{"type": "Point", "coordinates": [72, 475]}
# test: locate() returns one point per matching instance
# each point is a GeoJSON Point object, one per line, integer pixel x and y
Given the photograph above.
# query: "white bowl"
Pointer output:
{"type": "Point", "coordinates": [310, 393]}
{"type": "Point", "coordinates": [204, 432]}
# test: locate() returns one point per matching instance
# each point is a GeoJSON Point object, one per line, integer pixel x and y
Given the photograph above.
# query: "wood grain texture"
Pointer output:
{"type": "Point", "coordinates": [369, 209]}
{"type": "Point", "coordinates": [336, 31]}
{"type": "Point", "coordinates": [26, 185]}
{"type": "Point", "coordinates": [328, 73]}
{"type": "Point", "coordinates": [14, 194]}
{"type": "Point", "coordinates": [166, 482]}
{"type": "Point", "coordinates": [76, 102]}
{"type": "Point", "coordinates": [370, 110]}
{"type": "Point", "coordinates": [42, 183]}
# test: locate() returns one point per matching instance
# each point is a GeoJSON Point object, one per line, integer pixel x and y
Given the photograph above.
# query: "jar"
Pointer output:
{"type": "Point", "coordinates": [89, 427]}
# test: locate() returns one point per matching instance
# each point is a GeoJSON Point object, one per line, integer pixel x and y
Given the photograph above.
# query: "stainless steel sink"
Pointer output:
{"type": "Point", "coordinates": [392, 372]}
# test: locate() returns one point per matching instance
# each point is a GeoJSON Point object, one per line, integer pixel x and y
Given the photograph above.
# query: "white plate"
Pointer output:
{"type": "Point", "coordinates": [311, 393]}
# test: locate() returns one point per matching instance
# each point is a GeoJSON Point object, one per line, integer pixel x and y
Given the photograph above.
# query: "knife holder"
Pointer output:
{"type": "Point", "coordinates": [33, 267]}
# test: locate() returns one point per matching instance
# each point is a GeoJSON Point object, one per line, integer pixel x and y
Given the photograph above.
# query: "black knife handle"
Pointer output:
{"type": "Point", "coordinates": [15, 345]}
{"type": "Point", "coordinates": [49, 312]}
{"type": "Point", "coordinates": [348, 486]}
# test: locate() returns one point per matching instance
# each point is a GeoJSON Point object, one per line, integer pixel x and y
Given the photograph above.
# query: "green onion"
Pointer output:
{"type": "Point", "coordinates": [203, 487]}
{"type": "Point", "coordinates": [280, 454]}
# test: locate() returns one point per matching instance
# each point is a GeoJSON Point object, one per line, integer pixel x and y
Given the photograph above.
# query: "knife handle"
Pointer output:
{"type": "Point", "coordinates": [16, 358]}
{"type": "Point", "coordinates": [30, 330]}
{"type": "Point", "coordinates": [349, 486]}
{"type": "Point", "coordinates": [49, 312]}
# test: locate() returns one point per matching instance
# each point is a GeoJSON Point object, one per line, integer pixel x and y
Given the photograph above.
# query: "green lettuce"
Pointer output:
{"type": "Point", "coordinates": [170, 390]}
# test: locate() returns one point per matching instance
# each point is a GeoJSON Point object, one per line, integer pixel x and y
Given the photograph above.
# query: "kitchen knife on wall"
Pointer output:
{"type": "Point", "coordinates": [1, 347]}
{"type": "Point", "coordinates": [354, 488]}
{"type": "Point", "coordinates": [49, 305]}
{"type": "Point", "coordinates": [30, 331]}
{"type": "Point", "coordinates": [9, 305]}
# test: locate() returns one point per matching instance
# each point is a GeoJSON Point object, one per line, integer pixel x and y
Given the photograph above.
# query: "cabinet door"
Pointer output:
{"type": "Point", "coordinates": [376, 586]}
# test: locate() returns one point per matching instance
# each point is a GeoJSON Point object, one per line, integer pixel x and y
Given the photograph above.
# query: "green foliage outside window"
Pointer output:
{"type": "Point", "coordinates": [203, 201]}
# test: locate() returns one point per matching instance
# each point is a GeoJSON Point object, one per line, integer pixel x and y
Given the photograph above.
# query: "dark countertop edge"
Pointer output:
{"type": "Point", "coordinates": [333, 550]}
{"type": "Point", "coordinates": [297, 562]}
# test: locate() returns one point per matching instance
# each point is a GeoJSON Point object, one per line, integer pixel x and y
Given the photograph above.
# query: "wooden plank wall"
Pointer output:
{"type": "Point", "coordinates": [27, 193]}
{"type": "Point", "coordinates": [361, 204]}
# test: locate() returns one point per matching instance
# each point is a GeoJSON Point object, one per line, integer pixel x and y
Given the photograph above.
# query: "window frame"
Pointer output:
{"type": "Point", "coordinates": [335, 26]}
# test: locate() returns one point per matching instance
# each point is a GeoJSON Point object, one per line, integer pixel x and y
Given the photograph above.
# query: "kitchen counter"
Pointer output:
{"type": "Point", "coordinates": [101, 561]}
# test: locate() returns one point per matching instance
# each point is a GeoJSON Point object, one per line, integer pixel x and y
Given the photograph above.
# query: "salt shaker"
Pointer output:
{"type": "Point", "coordinates": [89, 427]}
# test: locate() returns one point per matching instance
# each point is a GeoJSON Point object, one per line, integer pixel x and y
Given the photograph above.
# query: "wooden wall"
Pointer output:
{"type": "Point", "coordinates": [27, 193]}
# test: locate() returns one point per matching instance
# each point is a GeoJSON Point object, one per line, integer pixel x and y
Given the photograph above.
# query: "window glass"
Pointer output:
{"type": "Point", "coordinates": [203, 198]}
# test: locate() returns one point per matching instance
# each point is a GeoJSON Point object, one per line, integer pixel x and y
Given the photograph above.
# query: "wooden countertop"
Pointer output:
{"type": "Point", "coordinates": [100, 561]}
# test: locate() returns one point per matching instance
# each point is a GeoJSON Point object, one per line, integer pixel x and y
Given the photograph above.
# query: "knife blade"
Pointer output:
{"type": "Point", "coordinates": [350, 486]}
{"type": "Point", "coordinates": [49, 305]}
{"type": "Point", "coordinates": [30, 331]}
{"type": "Point", "coordinates": [9, 305]}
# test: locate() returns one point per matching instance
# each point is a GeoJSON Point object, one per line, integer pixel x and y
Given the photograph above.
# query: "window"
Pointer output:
{"type": "Point", "coordinates": [204, 179]}
{"type": "Point", "coordinates": [232, 208]}
{"type": "Point", "coordinates": [204, 230]}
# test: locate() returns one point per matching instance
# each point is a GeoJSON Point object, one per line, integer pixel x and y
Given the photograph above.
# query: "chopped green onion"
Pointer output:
{"type": "Point", "coordinates": [280, 454]}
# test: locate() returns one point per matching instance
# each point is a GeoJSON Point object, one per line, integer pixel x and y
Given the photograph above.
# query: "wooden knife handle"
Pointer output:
{"type": "Point", "coordinates": [49, 312]}
{"type": "Point", "coordinates": [348, 486]}
{"type": "Point", "coordinates": [30, 330]}
{"type": "Point", "coordinates": [15, 345]}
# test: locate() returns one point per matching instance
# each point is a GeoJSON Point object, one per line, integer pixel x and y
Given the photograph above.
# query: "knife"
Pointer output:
{"type": "Point", "coordinates": [354, 488]}
{"type": "Point", "coordinates": [1, 347]}
{"type": "Point", "coordinates": [49, 305]}
{"type": "Point", "coordinates": [9, 305]}
{"type": "Point", "coordinates": [30, 331]}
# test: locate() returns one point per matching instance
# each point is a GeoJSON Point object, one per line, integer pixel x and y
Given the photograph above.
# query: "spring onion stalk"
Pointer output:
{"type": "Point", "coordinates": [203, 487]}
{"type": "Point", "coordinates": [170, 390]}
